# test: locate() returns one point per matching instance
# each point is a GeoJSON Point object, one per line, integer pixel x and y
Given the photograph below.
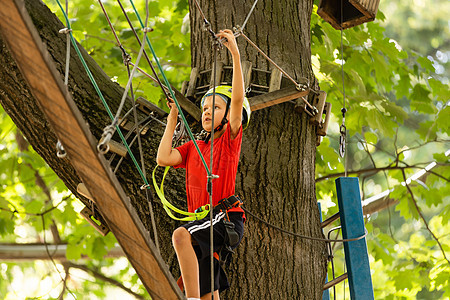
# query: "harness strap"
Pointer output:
{"type": "Point", "coordinates": [227, 204]}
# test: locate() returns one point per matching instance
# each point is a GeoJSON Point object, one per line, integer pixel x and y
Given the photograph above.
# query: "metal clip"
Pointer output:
{"type": "Point", "coordinates": [103, 146]}
{"type": "Point", "coordinates": [60, 151]}
{"type": "Point", "coordinates": [342, 138]}
{"type": "Point", "coordinates": [65, 30]}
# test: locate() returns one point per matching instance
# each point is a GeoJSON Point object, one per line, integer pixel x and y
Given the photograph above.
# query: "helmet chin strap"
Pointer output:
{"type": "Point", "coordinates": [221, 125]}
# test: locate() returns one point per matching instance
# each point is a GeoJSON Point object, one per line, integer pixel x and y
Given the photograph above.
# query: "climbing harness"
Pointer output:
{"type": "Point", "coordinates": [224, 255]}
{"type": "Point", "coordinates": [225, 205]}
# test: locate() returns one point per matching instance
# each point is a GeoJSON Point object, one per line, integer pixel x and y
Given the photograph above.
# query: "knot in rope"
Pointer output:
{"type": "Point", "coordinates": [65, 31]}
{"type": "Point", "coordinates": [125, 56]}
{"type": "Point", "coordinates": [60, 151]}
{"type": "Point", "coordinates": [103, 146]}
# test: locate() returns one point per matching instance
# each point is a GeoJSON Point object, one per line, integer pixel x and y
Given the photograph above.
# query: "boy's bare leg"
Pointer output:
{"type": "Point", "coordinates": [187, 259]}
{"type": "Point", "coordinates": [208, 296]}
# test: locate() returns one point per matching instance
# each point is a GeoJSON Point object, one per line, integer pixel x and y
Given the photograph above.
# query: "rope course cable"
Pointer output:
{"type": "Point", "coordinates": [215, 46]}
{"type": "Point", "coordinates": [98, 91]}
{"type": "Point", "coordinates": [172, 94]}
{"type": "Point", "coordinates": [301, 235]}
{"type": "Point", "coordinates": [343, 128]}
{"type": "Point", "coordinates": [248, 15]}
{"type": "Point", "coordinates": [127, 61]}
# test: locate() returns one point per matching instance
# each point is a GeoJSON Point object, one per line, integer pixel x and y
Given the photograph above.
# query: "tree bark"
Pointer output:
{"type": "Point", "coordinates": [276, 172]}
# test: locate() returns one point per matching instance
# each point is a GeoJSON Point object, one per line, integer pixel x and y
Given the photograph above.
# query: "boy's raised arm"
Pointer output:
{"type": "Point", "coordinates": [237, 94]}
{"type": "Point", "coordinates": [167, 156]}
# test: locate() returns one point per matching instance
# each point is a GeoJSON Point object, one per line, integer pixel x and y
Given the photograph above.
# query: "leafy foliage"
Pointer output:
{"type": "Point", "coordinates": [394, 103]}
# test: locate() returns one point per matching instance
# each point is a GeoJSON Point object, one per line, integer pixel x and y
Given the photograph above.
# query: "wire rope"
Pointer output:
{"type": "Point", "coordinates": [298, 85]}
{"type": "Point", "coordinates": [210, 178]}
{"type": "Point", "coordinates": [172, 94]}
{"type": "Point", "coordinates": [301, 235]}
{"type": "Point", "coordinates": [127, 60]}
{"type": "Point", "coordinates": [343, 128]}
{"type": "Point", "coordinates": [248, 15]}
{"type": "Point", "coordinates": [98, 91]}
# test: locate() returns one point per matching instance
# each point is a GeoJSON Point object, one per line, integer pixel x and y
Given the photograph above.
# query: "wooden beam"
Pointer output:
{"type": "Point", "coordinates": [44, 81]}
{"type": "Point", "coordinates": [276, 97]}
{"type": "Point", "coordinates": [187, 105]}
{"type": "Point", "coordinates": [323, 126]}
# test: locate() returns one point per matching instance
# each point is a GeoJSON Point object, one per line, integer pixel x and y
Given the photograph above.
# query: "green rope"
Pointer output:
{"type": "Point", "coordinates": [97, 89]}
{"type": "Point", "coordinates": [168, 207]}
{"type": "Point", "coordinates": [172, 94]}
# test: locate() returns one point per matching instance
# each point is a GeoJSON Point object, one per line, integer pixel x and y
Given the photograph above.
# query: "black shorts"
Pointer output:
{"type": "Point", "coordinates": [200, 233]}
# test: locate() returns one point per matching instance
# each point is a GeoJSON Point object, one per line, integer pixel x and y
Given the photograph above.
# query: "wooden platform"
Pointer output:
{"type": "Point", "coordinates": [37, 67]}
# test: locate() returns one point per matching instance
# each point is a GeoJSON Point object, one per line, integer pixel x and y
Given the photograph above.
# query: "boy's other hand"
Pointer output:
{"type": "Point", "coordinates": [173, 108]}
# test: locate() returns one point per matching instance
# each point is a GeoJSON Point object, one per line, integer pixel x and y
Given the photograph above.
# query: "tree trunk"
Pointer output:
{"type": "Point", "coordinates": [276, 172]}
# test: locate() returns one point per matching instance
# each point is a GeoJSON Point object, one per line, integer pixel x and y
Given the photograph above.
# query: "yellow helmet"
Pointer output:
{"type": "Point", "coordinates": [224, 92]}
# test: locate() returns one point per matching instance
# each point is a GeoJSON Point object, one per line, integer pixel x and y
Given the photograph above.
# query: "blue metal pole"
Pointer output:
{"type": "Point", "coordinates": [352, 222]}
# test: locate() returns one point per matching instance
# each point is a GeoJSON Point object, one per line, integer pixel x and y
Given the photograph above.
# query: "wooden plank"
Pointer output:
{"type": "Point", "coordinates": [216, 74]}
{"type": "Point", "coordinates": [323, 127]}
{"type": "Point", "coordinates": [276, 97]}
{"type": "Point", "coordinates": [247, 73]}
{"type": "Point", "coordinates": [43, 79]}
{"type": "Point", "coordinates": [192, 83]}
{"type": "Point", "coordinates": [319, 102]}
{"type": "Point", "coordinates": [275, 80]}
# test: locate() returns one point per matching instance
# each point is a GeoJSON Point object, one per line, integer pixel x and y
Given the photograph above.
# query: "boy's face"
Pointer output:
{"type": "Point", "coordinates": [220, 109]}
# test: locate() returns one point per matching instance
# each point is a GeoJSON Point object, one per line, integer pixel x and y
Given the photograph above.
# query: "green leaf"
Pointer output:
{"type": "Point", "coordinates": [421, 101]}
{"type": "Point", "coordinates": [370, 137]}
{"type": "Point", "coordinates": [74, 250]}
{"type": "Point", "coordinates": [426, 63]}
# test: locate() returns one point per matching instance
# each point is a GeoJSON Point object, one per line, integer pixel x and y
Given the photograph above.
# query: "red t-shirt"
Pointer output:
{"type": "Point", "coordinates": [226, 158]}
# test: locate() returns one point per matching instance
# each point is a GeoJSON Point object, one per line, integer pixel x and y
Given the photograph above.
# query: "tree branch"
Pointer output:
{"type": "Point", "coordinates": [422, 217]}
{"type": "Point", "coordinates": [102, 277]}
{"type": "Point", "coordinates": [387, 168]}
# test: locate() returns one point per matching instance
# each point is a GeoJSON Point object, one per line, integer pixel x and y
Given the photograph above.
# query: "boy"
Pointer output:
{"type": "Point", "coordinates": [194, 261]}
